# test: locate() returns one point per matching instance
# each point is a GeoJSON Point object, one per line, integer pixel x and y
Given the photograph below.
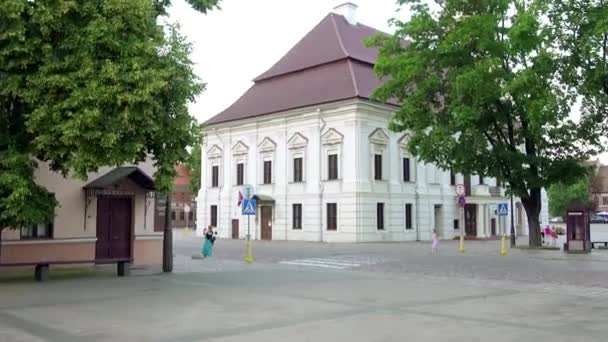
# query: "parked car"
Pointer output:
{"type": "Point", "coordinates": [599, 219]}
{"type": "Point", "coordinates": [556, 219]}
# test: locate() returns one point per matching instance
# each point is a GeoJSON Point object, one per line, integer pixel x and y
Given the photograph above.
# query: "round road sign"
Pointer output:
{"type": "Point", "coordinates": [459, 189]}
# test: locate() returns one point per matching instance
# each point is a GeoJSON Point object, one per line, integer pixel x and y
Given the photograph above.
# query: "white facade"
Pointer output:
{"type": "Point", "coordinates": [356, 131]}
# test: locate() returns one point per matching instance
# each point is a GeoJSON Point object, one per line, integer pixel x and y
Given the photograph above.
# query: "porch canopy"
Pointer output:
{"type": "Point", "coordinates": [263, 199]}
{"type": "Point", "coordinates": [116, 175]}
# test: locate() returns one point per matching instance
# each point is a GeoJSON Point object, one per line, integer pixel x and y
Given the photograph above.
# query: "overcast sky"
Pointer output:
{"type": "Point", "coordinates": [234, 45]}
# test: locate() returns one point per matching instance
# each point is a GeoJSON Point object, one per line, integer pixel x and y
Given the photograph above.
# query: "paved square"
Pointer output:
{"type": "Point", "coordinates": [395, 294]}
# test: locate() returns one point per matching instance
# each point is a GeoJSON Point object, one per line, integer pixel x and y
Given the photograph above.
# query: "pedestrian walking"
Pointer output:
{"type": "Point", "coordinates": [435, 246]}
{"type": "Point", "coordinates": [208, 242]}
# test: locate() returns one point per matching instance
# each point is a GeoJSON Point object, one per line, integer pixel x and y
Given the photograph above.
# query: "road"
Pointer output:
{"type": "Point", "coordinates": [323, 292]}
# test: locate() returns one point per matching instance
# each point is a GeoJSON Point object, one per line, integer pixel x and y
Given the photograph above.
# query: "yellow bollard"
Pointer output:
{"type": "Point", "coordinates": [249, 256]}
{"type": "Point", "coordinates": [503, 249]}
{"type": "Point", "coordinates": [461, 248]}
{"type": "Point", "coordinates": [187, 231]}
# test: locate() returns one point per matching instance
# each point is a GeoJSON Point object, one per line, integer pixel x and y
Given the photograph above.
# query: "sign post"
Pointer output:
{"type": "Point", "coordinates": [503, 211]}
{"type": "Point", "coordinates": [249, 209]}
{"type": "Point", "coordinates": [187, 211]}
{"type": "Point", "coordinates": [460, 191]}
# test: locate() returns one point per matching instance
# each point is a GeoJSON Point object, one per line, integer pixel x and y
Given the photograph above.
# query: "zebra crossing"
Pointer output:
{"type": "Point", "coordinates": [341, 262]}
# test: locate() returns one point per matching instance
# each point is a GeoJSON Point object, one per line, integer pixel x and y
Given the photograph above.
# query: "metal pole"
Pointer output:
{"type": "Point", "coordinates": [512, 240]}
{"type": "Point", "coordinates": [461, 247]}
{"type": "Point", "coordinates": [248, 256]}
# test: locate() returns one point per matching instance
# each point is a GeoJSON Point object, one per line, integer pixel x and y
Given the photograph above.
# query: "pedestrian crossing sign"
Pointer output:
{"type": "Point", "coordinates": [248, 206]}
{"type": "Point", "coordinates": [503, 209]}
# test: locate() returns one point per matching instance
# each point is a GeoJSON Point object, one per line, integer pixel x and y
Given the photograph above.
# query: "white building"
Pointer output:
{"type": "Point", "coordinates": [322, 162]}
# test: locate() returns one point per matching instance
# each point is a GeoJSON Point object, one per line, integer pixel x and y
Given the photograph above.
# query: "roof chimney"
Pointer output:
{"type": "Point", "coordinates": [349, 11]}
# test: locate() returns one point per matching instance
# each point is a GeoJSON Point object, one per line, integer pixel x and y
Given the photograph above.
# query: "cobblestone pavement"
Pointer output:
{"type": "Point", "coordinates": [373, 292]}
{"type": "Point", "coordinates": [482, 260]}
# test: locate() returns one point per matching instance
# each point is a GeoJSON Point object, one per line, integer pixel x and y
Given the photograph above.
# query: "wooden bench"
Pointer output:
{"type": "Point", "coordinates": [605, 243]}
{"type": "Point", "coordinates": [41, 270]}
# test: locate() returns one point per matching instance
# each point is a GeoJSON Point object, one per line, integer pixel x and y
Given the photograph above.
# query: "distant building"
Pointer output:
{"type": "Point", "coordinates": [322, 162]}
{"type": "Point", "coordinates": [183, 203]}
{"type": "Point", "coordinates": [598, 184]}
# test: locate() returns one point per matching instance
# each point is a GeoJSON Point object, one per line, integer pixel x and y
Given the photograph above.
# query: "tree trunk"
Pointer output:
{"type": "Point", "coordinates": [168, 239]}
{"type": "Point", "coordinates": [532, 205]}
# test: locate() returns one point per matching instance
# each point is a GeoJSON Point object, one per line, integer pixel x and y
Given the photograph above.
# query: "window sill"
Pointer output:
{"type": "Point", "coordinates": [292, 183]}
{"type": "Point", "coordinates": [332, 180]}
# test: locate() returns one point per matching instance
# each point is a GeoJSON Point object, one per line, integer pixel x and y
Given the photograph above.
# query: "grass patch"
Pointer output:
{"type": "Point", "coordinates": [538, 248]}
{"type": "Point", "coordinates": [27, 275]}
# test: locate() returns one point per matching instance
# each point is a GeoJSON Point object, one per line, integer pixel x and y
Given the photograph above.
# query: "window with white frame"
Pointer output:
{"type": "Point", "coordinates": [407, 164]}
{"type": "Point", "coordinates": [240, 152]}
{"type": "Point", "coordinates": [331, 156]}
{"type": "Point", "coordinates": [297, 151]}
{"type": "Point", "coordinates": [214, 157]}
{"type": "Point", "coordinates": [267, 149]}
{"type": "Point", "coordinates": [378, 147]}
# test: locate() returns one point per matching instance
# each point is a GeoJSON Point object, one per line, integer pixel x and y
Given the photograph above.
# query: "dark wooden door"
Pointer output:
{"type": "Point", "coordinates": [493, 226]}
{"type": "Point", "coordinates": [235, 229]}
{"type": "Point", "coordinates": [113, 228]}
{"type": "Point", "coordinates": [266, 223]}
{"type": "Point", "coordinates": [470, 219]}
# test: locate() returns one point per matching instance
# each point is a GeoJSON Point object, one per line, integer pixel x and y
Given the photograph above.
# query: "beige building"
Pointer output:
{"type": "Point", "coordinates": [108, 218]}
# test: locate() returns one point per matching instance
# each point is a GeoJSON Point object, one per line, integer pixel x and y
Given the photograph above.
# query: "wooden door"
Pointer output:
{"type": "Point", "coordinates": [113, 228]}
{"type": "Point", "coordinates": [470, 219]}
{"type": "Point", "coordinates": [266, 223]}
{"type": "Point", "coordinates": [235, 229]}
{"type": "Point", "coordinates": [493, 226]}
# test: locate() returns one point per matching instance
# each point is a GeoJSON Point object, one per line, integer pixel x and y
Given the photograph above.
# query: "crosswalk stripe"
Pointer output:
{"type": "Point", "coordinates": [308, 263]}
{"type": "Point", "coordinates": [334, 262]}
{"type": "Point", "coordinates": [337, 262]}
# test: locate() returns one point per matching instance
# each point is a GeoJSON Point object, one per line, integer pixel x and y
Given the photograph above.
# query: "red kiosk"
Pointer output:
{"type": "Point", "coordinates": [578, 228]}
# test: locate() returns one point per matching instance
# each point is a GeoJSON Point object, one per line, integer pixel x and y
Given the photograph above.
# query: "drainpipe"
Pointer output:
{"type": "Point", "coordinates": [321, 128]}
{"type": "Point", "coordinates": [357, 191]}
{"type": "Point", "coordinates": [417, 201]}
{"type": "Point", "coordinates": [286, 174]}
{"type": "Point", "coordinates": [219, 194]}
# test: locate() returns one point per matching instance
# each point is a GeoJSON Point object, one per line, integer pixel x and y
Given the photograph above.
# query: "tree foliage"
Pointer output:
{"type": "Point", "coordinates": [85, 84]}
{"type": "Point", "coordinates": [483, 88]}
{"type": "Point", "coordinates": [194, 166]}
{"type": "Point", "coordinates": [562, 194]}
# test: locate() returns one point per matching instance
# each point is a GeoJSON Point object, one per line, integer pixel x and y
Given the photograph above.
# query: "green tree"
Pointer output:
{"type": "Point", "coordinates": [480, 91]}
{"type": "Point", "coordinates": [194, 166]}
{"type": "Point", "coordinates": [580, 29]}
{"type": "Point", "coordinates": [84, 84]}
{"type": "Point", "coordinates": [561, 195]}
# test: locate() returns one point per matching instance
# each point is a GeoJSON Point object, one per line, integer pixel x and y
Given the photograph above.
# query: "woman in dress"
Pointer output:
{"type": "Point", "coordinates": [435, 246]}
{"type": "Point", "coordinates": [208, 242]}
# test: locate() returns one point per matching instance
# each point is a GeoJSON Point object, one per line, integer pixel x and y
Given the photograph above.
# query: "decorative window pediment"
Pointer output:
{"type": "Point", "coordinates": [297, 141]}
{"type": "Point", "coordinates": [214, 152]}
{"type": "Point", "coordinates": [378, 137]}
{"type": "Point", "coordinates": [240, 149]}
{"type": "Point", "coordinates": [332, 137]}
{"type": "Point", "coordinates": [267, 145]}
{"type": "Point", "coordinates": [404, 141]}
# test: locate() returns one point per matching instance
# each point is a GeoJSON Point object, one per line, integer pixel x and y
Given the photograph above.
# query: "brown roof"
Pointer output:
{"type": "Point", "coordinates": [329, 64]}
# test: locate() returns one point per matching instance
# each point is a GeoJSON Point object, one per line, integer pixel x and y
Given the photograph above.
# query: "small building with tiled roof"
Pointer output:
{"type": "Point", "coordinates": [320, 160]}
